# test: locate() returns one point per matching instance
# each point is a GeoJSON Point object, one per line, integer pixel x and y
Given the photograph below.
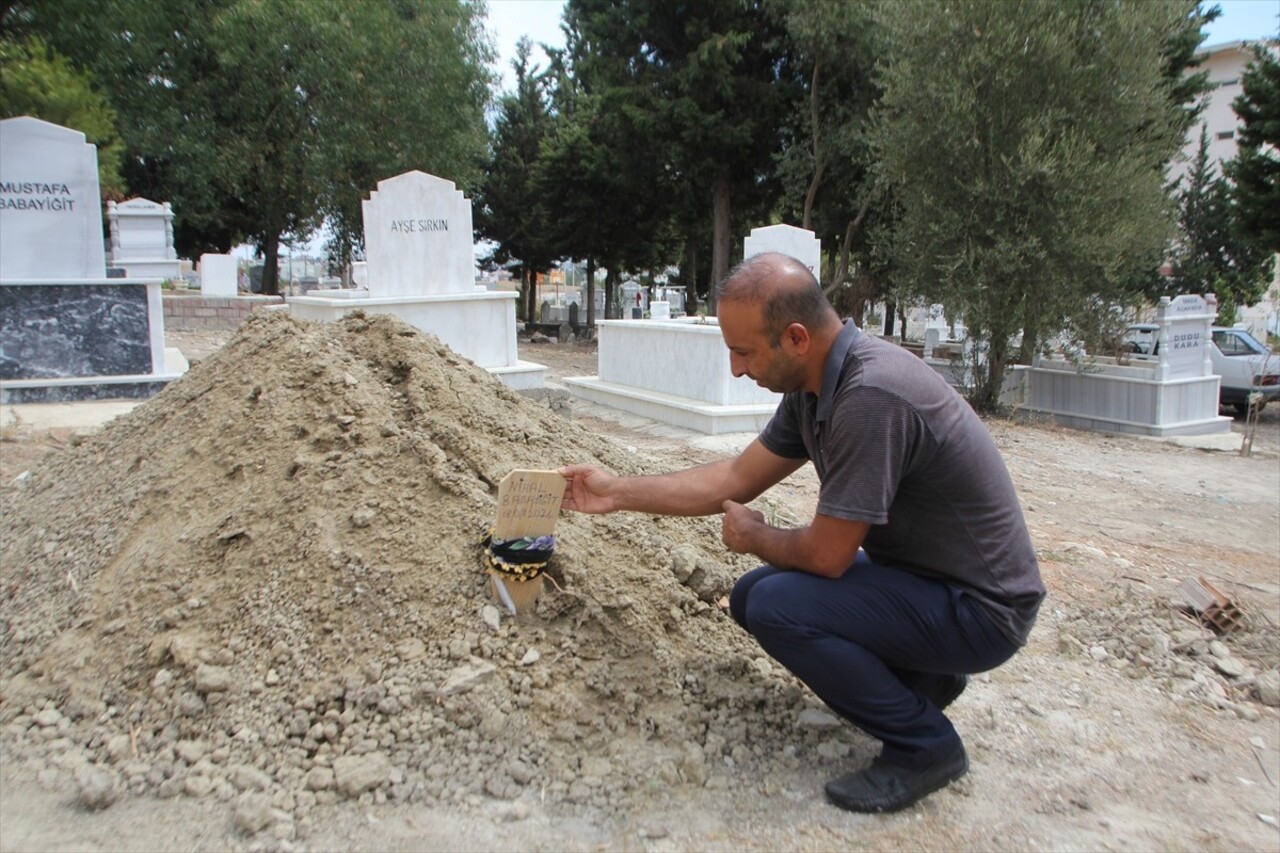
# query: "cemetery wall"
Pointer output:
{"type": "Point", "coordinates": [205, 313]}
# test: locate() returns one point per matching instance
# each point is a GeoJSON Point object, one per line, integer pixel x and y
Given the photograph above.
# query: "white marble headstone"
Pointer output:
{"type": "Point", "coordinates": [799, 243]}
{"type": "Point", "coordinates": [218, 275]}
{"type": "Point", "coordinates": [141, 229]}
{"type": "Point", "coordinates": [417, 236]}
{"type": "Point", "coordinates": [1185, 336]}
{"type": "Point", "coordinates": [50, 206]}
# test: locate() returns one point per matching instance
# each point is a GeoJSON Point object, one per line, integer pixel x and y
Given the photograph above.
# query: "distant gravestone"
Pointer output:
{"type": "Point", "coordinates": [1185, 323]}
{"type": "Point", "coordinates": [50, 209]}
{"type": "Point", "coordinates": [219, 276]}
{"type": "Point", "coordinates": [418, 238]}
{"type": "Point", "coordinates": [142, 238]}
{"type": "Point", "coordinates": [799, 243]}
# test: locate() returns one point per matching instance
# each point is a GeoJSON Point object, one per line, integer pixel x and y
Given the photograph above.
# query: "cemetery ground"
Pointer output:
{"type": "Point", "coordinates": [645, 721]}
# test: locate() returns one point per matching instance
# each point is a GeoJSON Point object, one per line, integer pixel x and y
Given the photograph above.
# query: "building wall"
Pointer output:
{"type": "Point", "coordinates": [1225, 64]}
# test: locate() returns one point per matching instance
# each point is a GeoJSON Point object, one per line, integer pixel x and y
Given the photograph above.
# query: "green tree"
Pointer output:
{"type": "Point", "coordinates": [1178, 53]}
{"type": "Point", "coordinates": [259, 118]}
{"type": "Point", "coordinates": [826, 164]}
{"type": "Point", "coordinates": [1212, 254]}
{"type": "Point", "coordinates": [509, 208]}
{"type": "Point", "coordinates": [1023, 142]}
{"type": "Point", "coordinates": [609, 196]}
{"type": "Point", "coordinates": [705, 84]}
{"type": "Point", "coordinates": [1255, 171]}
{"type": "Point", "coordinates": [417, 100]}
{"type": "Point", "coordinates": [41, 83]}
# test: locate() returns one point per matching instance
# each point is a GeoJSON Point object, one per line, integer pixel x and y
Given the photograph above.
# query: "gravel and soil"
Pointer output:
{"type": "Point", "coordinates": [250, 615]}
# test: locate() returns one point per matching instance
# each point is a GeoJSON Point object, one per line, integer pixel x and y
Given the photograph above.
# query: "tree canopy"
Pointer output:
{"type": "Point", "coordinates": [259, 118]}
{"type": "Point", "coordinates": [1024, 142]}
{"type": "Point", "coordinates": [1255, 170]}
{"type": "Point", "coordinates": [703, 86]}
{"type": "Point", "coordinates": [1212, 253]}
{"type": "Point", "coordinates": [41, 83]}
{"type": "Point", "coordinates": [510, 210]}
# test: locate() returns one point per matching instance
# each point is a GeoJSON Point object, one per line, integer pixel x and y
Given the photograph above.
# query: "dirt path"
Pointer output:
{"type": "Point", "coordinates": [1123, 725]}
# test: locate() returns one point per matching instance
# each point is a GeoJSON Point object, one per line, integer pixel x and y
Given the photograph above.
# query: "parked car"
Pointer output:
{"type": "Point", "coordinates": [1244, 364]}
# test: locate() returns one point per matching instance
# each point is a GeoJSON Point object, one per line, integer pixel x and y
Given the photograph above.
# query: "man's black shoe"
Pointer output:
{"type": "Point", "coordinates": [948, 690]}
{"type": "Point", "coordinates": [888, 788]}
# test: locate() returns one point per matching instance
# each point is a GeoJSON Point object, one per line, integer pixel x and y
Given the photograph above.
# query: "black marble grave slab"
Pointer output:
{"type": "Point", "coordinates": [63, 331]}
{"type": "Point", "coordinates": [80, 392]}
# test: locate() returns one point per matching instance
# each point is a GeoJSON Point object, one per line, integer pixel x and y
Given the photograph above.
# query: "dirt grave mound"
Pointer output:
{"type": "Point", "coordinates": [267, 578]}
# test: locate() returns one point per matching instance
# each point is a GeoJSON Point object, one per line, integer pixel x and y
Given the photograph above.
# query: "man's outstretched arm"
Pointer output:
{"type": "Point", "coordinates": [701, 490]}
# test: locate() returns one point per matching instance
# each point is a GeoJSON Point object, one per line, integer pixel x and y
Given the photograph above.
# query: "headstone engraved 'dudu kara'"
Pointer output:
{"type": "Point", "coordinates": [67, 331]}
{"type": "Point", "coordinates": [420, 267]}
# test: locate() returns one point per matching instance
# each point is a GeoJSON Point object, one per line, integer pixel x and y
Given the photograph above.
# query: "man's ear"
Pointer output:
{"type": "Point", "coordinates": [796, 336]}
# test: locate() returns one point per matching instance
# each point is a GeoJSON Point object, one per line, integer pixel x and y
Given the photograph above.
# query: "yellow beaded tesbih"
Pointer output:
{"type": "Point", "coordinates": [521, 559]}
{"type": "Point", "coordinates": [515, 568]}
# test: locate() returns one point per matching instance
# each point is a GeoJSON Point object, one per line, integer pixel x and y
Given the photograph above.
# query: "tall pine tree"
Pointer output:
{"type": "Point", "coordinates": [1255, 171]}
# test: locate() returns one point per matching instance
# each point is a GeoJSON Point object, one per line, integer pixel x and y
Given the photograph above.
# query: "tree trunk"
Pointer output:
{"type": "Point", "coordinates": [531, 306]}
{"type": "Point", "coordinates": [610, 285]}
{"type": "Point", "coordinates": [987, 384]}
{"type": "Point", "coordinates": [1030, 323]}
{"type": "Point", "coordinates": [591, 298]}
{"type": "Point", "coordinates": [271, 265]}
{"type": "Point", "coordinates": [842, 268]}
{"type": "Point", "coordinates": [818, 162]}
{"type": "Point", "coordinates": [890, 309]}
{"type": "Point", "coordinates": [690, 269]}
{"type": "Point", "coordinates": [719, 239]}
{"type": "Point", "coordinates": [522, 317]}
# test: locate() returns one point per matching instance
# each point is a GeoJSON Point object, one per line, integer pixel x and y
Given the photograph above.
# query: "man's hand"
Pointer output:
{"type": "Point", "coordinates": [739, 526]}
{"type": "Point", "coordinates": [587, 489]}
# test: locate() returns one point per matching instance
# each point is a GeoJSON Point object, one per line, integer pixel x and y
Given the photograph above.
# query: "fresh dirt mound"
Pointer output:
{"type": "Point", "coordinates": [268, 578]}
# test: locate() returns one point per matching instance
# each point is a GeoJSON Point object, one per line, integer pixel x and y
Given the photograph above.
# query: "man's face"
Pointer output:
{"type": "Point", "coordinates": [752, 354]}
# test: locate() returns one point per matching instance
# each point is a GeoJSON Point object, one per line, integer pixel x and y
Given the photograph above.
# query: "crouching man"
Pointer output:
{"type": "Point", "coordinates": [916, 570]}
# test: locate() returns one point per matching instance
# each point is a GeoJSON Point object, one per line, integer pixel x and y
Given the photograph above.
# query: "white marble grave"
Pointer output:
{"type": "Point", "coordinates": [50, 209]}
{"type": "Point", "coordinates": [677, 370]}
{"type": "Point", "coordinates": [674, 371]}
{"type": "Point", "coordinates": [1174, 394]}
{"type": "Point", "coordinates": [142, 238]}
{"type": "Point", "coordinates": [420, 267]}
{"type": "Point", "coordinates": [417, 237]}
{"type": "Point", "coordinates": [67, 332]}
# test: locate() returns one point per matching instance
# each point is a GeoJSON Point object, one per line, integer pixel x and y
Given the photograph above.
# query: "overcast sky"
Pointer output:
{"type": "Point", "coordinates": [537, 19]}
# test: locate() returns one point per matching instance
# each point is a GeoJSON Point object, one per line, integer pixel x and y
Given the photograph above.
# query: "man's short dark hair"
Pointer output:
{"type": "Point", "coordinates": [785, 289]}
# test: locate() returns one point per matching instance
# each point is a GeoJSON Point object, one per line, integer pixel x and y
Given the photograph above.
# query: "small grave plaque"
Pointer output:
{"type": "Point", "coordinates": [529, 503]}
{"type": "Point", "coordinates": [528, 506]}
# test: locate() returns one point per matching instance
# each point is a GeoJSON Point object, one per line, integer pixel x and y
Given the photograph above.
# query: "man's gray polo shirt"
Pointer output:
{"type": "Point", "coordinates": [895, 446]}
